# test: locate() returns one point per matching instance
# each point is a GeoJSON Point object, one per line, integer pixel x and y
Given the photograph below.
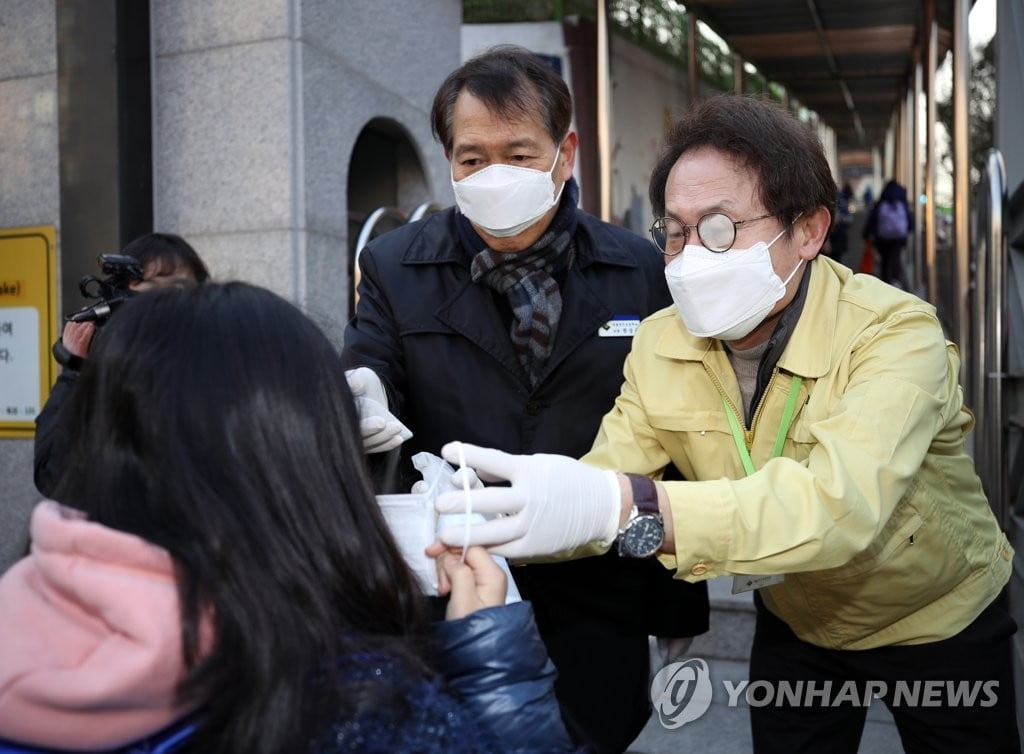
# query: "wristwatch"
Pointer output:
{"type": "Point", "coordinates": [644, 530]}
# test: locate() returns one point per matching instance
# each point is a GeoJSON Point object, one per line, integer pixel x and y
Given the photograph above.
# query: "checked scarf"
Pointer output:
{"type": "Point", "coordinates": [525, 279]}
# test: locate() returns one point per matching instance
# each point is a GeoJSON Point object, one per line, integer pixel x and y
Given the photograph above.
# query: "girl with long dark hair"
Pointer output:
{"type": "Point", "coordinates": [218, 576]}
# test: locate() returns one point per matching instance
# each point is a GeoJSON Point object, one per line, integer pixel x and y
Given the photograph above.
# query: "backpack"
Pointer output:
{"type": "Point", "coordinates": [893, 223]}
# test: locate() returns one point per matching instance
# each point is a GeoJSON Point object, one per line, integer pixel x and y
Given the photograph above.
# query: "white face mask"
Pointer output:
{"type": "Point", "coordinates": [504, 200]}
{"type": "Point", "coordinates": [727, 294]}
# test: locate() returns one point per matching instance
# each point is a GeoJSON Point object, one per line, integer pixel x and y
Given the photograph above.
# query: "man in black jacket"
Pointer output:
{"type": "Point", "coordinates": [506, 322]}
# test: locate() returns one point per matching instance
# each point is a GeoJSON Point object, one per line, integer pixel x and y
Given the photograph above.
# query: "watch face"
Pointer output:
{"type": "Point", "coordinates": [644, 536]}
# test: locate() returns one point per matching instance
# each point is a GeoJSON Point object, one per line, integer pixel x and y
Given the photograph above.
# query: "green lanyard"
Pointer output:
{"type": "Point", "coordinates": [780, 438]}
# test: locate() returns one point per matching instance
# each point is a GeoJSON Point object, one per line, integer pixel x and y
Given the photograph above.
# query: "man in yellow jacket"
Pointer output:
{"type": "Point", "coordinates": [819, 418]}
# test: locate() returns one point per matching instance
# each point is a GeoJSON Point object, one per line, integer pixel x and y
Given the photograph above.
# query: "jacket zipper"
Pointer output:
{"type": "Point", "coordinates": [748, 437]}
{"type": "Point", "coordinates": [760, 407]}
{"type": "Point", "coordinates": [748, 434]}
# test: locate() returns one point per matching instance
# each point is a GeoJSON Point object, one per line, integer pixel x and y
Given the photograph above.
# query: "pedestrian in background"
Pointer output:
{"type": "Point", "coordinates": [839, 238]}
{"type": "Point", "coordinates": [889, 223]}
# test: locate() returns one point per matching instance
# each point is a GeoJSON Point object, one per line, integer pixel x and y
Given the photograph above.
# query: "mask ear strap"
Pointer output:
{"type": "Point", "coordinates": [772, 242]}
{"type": "Point", "coordinates": [790, 276]}
{"type": "Point", "coordinates": [800, 262]}
{"type": "Point", "coordinates": [798, 215]}
{"type": "Point", "coordinates": [469, 499]}
{"type": "Point", "coordinates": [558, 153]}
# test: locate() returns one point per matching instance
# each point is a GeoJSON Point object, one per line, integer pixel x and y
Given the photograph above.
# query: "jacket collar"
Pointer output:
{"type": "Point", "coordinates": [433, 244]}
{"type": "Point", "coordinates": [809, 350]}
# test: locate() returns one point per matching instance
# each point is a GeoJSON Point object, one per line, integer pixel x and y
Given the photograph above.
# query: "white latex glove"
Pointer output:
{"type": "Point", "coordinates": [555, 503]}
{"type": "Point", "coordinates": [380, 429]}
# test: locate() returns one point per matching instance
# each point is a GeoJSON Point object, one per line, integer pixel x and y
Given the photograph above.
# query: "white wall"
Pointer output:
{"type": "Point", "coordinates": [647, 95]}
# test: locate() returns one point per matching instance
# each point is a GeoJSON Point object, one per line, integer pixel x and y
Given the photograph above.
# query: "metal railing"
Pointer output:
{"type": "Point", "coordinates": [987, 373]}
{"type": "Point", "coordinates": [380, 221]}
{"type": "Point", "coordinates": [427, 208]}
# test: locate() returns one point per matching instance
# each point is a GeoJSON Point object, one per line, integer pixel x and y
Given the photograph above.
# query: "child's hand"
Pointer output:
{"type": "Point", "coordinates": [473, 585]}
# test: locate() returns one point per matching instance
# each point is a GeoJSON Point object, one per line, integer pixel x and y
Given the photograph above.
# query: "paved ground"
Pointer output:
{"type": "Point", "coordinates": [724, 729]}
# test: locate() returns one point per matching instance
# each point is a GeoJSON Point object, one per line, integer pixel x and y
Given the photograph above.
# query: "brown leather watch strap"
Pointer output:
{"type": "Point", "coordinates": [645, 494]}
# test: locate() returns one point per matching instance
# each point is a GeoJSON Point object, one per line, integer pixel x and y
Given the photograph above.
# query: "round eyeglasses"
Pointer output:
{"type": "Point", "coordinates": [717, 232]}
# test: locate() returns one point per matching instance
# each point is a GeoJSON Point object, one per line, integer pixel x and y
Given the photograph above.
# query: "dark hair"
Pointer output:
{"type": "Point", "coordinates": [893, 191]}
{"type": "Point", "coordinates": [511, 81]}
{"type": "Point", "coordinates": [225, 432]}
{"type": "Point", "coordinates": [786, 156]}
{"type": "Point", "coordinates": [166, 251]}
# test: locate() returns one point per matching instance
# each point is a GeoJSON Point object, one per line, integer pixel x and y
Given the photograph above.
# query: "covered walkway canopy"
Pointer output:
{"type": "Point", "coordinates": [850, 62]}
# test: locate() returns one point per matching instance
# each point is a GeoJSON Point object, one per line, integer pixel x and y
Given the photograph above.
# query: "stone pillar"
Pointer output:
{"type": "Point", "coordinates": [29, 195]}
{"type": "Point", "coordinates": [257, 108]}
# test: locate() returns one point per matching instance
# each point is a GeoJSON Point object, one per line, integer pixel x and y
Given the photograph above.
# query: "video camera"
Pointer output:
{"type": "Point", "coordinates": [119, 270]}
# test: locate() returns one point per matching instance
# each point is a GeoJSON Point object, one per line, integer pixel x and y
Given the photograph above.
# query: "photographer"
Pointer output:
{"type": "Point", "coordinates": [165, 260]}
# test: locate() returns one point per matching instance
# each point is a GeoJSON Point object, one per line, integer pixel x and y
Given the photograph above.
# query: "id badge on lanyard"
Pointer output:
{"type": "Point", "coordinates": [742, 582]}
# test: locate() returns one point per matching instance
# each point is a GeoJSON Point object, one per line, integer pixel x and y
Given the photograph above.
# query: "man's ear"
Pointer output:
{"type": "Point", "coordinates": [567, 155]}
{"type": "Point", "coordinates": [812, 231]}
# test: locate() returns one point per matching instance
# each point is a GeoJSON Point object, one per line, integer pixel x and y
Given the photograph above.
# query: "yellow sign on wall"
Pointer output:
{"type": "Point", "coordinates": [28, 325]}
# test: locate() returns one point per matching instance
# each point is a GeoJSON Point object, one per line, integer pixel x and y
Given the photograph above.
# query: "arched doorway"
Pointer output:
{"type": "Point", "coordinates": [386, 182]}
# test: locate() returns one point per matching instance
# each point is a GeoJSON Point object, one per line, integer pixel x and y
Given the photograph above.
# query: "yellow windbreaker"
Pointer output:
{"type": "Point", "coordinates": [872, 511]}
